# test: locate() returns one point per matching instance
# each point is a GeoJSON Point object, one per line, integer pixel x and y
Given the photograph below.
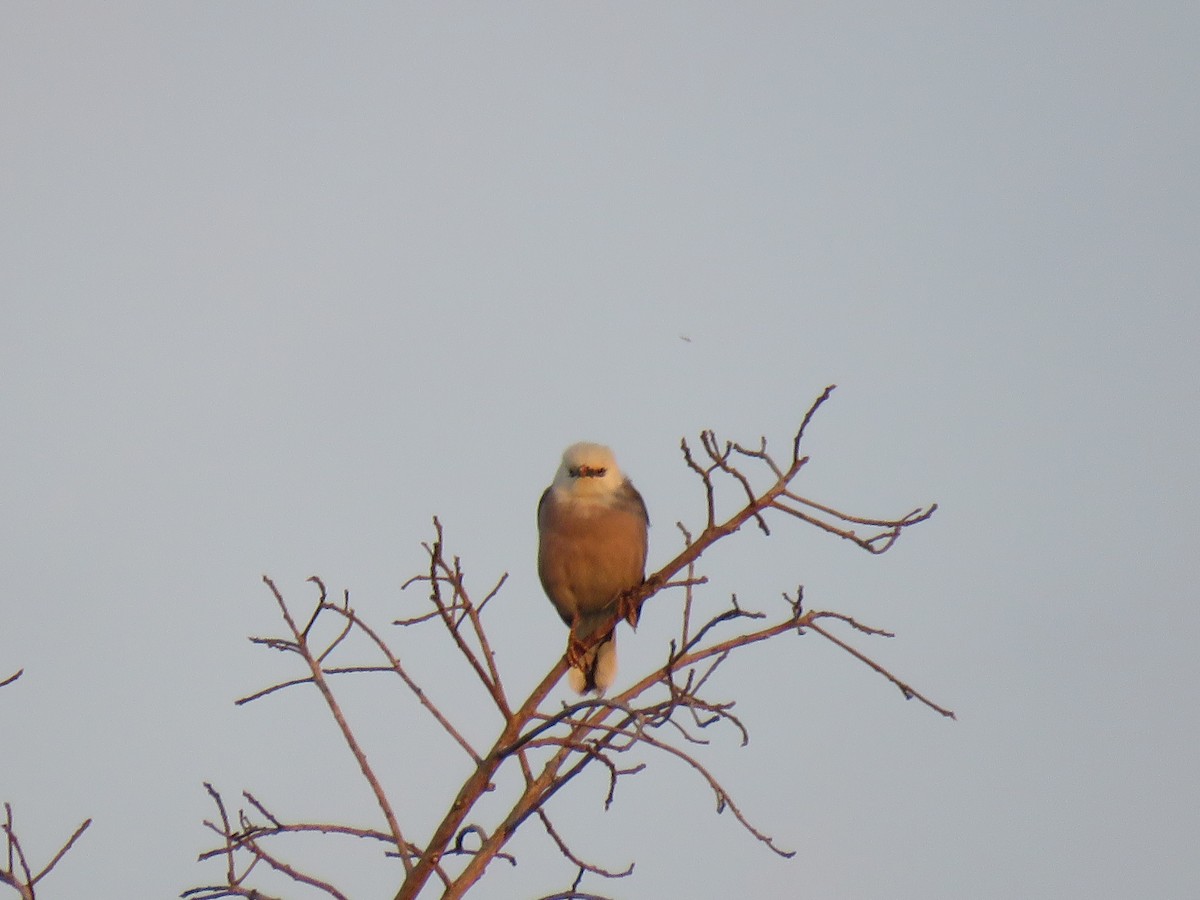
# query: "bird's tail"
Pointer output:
{"type": "Point", "coordinates": [598, 669]}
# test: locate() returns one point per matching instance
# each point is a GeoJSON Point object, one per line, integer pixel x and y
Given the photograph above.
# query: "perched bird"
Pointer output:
{"type": "Point", "coordinates": [591, 548]}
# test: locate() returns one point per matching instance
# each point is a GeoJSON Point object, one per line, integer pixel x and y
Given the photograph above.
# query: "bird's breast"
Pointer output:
{"type": "Point", "coordinates": [589, 553]}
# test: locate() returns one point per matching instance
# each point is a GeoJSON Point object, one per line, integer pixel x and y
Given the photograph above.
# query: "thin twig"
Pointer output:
{"type": "Point", "coordinates": [335, 710]}
{"type": "Point", "coordinates": [908, 692]}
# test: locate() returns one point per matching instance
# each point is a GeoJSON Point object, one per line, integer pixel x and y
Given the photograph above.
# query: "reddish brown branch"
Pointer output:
{"type": "Point", "coordinates": [471, 790]}
{"type": "Point", "coordinates": [908, 692]}
{"type": "Point", "coordinates": [808, 416]}
{"type": "Point", "coordinates": [318, 677]}
{"type": "Point", "coordinates": [724, 800]}
{"type": "Point", "coordinates": [395, 666]}
{"type": "Point", "coordinates": [17, 873]}
{"type": "Point", "coordinates": [566, 851]}
{"type": "Point", "coordinates": [440, 571]}
{"type": "Point", "coordinates": [248, 838]}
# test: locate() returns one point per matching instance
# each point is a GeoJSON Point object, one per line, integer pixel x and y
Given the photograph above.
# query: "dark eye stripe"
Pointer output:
{"type": "Point", "coordinates": [586, 472]}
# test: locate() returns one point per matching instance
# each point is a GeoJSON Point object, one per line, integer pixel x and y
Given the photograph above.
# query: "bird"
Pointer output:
{"type": "Point", "coordinates": [592, 542]}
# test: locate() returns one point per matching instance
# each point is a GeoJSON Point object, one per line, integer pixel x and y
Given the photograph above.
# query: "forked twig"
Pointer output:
{"type": "Point", "coordinates": [17, 873]}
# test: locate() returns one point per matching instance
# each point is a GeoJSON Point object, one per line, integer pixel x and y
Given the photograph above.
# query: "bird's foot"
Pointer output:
{"type": "Point", "coordinates": [629, 603]}
{"type": "Point", "coordinates": [629, 607]}
{"type": "Point", "coordinates": [575, 652]}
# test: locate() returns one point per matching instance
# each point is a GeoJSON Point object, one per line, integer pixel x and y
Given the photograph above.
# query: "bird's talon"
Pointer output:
{"type": "Point", "coordinates": [628, 608]}
{"type": "Point", "coordinates": [575, 653]}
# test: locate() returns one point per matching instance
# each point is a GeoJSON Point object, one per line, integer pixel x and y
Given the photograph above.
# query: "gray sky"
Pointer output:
{"type": "Point", "coordinates": [282, 281]}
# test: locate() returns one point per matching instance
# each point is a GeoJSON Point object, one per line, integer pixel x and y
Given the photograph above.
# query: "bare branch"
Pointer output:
{"type": "Point", "coordinates": [318, 677]}
{"type": "Point", "coordinates": [566, 851]}
{"type": "Point", "coordinates": [17, 873]}
{"type": "Point", "coordinates": [395, 666]}
{"type": "Point", "coordinates": [908, 692]}
{"type": "Point", "coordinates": [62, 851]}
{"type": "Point", "coordinates": [720, 460]}
{"type": "Point", "coordinates": [290, 871]}
{"type": "Point", "coordinates": [492, 593]}
{"type": "Point", "coordinates": [441, 571]}
{"type": "Point", "coordinates": [722, 795]}
{"type": "Point", "coordinates": [705, 476]}
{"type": "Point", "coordinates": [812, 411]}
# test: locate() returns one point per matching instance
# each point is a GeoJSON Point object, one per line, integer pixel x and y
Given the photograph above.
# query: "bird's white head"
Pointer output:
{"type": "Point", "coordinates": [588, 470]}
